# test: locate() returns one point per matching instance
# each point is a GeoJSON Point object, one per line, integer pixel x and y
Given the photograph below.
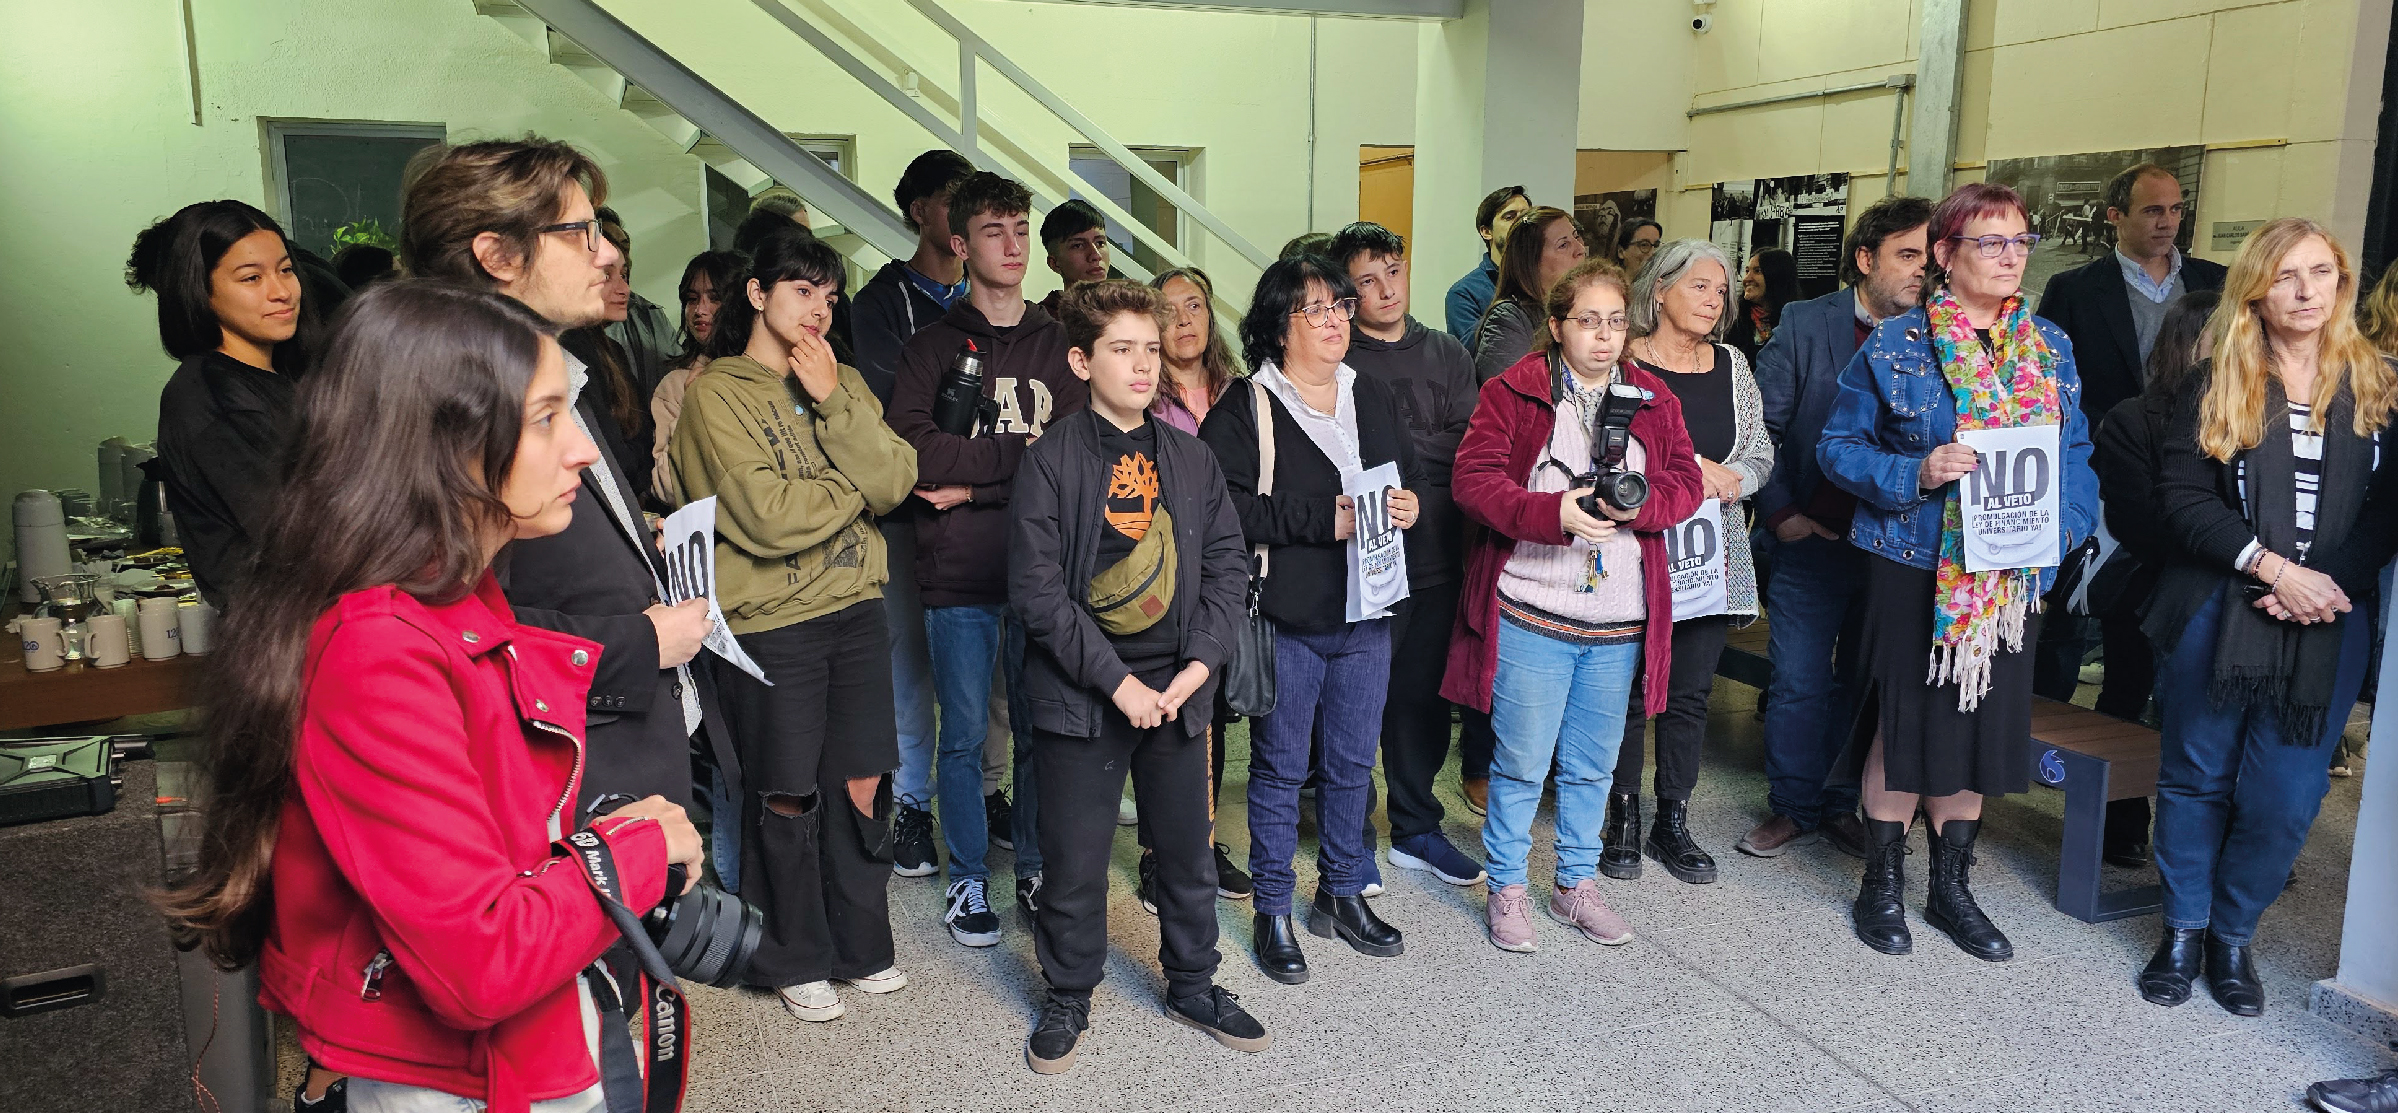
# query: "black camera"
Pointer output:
{"type": "Point", "coordinates": [706, 935]}
{"type": "Point", "coordinates": [959, 408]}
{"type": "Point", "coordinates": [1610, 440]}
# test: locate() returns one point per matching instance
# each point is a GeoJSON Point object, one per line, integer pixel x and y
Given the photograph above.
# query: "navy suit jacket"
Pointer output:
{"type": "Point", "coordinates": [1798, 375]}
{"type": "Point", "coordinates": [2094, 307]}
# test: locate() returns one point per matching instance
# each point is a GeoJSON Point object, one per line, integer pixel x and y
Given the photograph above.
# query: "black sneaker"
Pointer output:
{"type": "Point", "coordinates": [2378, 1094]}
{"type": "Point", "coordinates": [1231, 882]}
{"type": "Point", "coordinates": [1028, 895]}
{"type": "Point", "coordinates": [336, 1099]}
{"type": "Point", "coordinates": [1002, 818]}
{"type": "Point", "coordinates": [1148, 887]}
{"type": "Point", "coordinates": [912, 843]}
{"type": "Point", "coordinates": [1050, 1048]}
{"type": "Point", "coordinates": [1219, 1013]}
{"type": "Point", "coordinates": [970, 918]}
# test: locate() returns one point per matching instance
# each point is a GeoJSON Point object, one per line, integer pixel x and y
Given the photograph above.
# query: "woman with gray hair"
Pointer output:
{"type": "Point", "coordinates": [1679, 313]}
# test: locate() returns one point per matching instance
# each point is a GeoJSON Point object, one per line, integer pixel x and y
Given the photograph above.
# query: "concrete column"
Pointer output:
{"type": "Point", "coordinates": [2364, 995]}
{"type": "Point", "coordinates": [1498, 94]}
{"type": "Point", "coordinates": [1939, 76]}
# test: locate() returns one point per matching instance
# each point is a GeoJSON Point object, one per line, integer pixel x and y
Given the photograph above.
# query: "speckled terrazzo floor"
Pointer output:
{"type": "Point", "coordinates": [1747, 995]}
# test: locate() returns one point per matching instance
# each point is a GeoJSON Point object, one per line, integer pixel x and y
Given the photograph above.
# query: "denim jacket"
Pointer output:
{"type": "Point", "coordinates": [1894, 407]}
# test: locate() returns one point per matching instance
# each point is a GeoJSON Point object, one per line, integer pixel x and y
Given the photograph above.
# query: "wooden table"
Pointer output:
{"type": "Point", "coordinates": [80, 693]}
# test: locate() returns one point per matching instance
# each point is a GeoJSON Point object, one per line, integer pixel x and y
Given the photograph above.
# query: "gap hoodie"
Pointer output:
{"type": "Point", "coordinates": [1433, 379]}
{"type": "Point", "coordinates": [961, 553]}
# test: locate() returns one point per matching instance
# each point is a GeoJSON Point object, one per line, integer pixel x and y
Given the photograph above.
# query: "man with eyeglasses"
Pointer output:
{"type": "Point", "coordinates": [1433, 378]}
{"type": "Point", "coordinates": [1815, 597]}
{"type": "Point", "coordinates": [2111, 308]}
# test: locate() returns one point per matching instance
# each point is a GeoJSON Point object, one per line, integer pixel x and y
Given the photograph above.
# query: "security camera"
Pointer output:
{"type": "Point", "coordinates": [1701, 24]}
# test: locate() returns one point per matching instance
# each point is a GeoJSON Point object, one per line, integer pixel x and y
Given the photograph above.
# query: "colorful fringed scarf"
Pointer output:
{"type": "Point", "coordinates": [2013, 385]}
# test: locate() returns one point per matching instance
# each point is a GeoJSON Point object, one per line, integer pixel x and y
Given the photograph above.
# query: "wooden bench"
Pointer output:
{"type": "Point", "coordinates": [2096, 760]}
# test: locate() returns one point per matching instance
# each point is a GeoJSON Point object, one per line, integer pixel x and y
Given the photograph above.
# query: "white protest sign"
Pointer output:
{"type": "Point", "coordinates": [689, 536]}
{"type": "Point", "coordinates": [1694, 555]}
{"type": "Point", "coordinates": [2009, 501]}
{"type": "Point", "coordinates": [1377, 552]}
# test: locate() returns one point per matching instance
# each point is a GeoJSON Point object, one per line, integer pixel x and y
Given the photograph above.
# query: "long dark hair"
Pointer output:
{"type": "Point", "coordinates": [788, 254]}
{"type": "Point", "coordinates": [174, 258]}
{"type": "Point", "coordinates": [2176, 350]}
{"type": "Point", "coordinates": [1216, 358]}
{"type": "Point", "coordinates": [1781, 282]}
{"type": "Point", "coordinates": [1280, 292]}
{"type": "Point", "coordinates": [404, 435]}
{"type": "Point", "coordinates": [723, 270]}
{"type": "Point", "coordinates": [1519, 262]}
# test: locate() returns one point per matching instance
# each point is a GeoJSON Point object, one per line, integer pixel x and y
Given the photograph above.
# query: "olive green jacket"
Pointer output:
{"type": "Point", "coordinates": [797, 484]}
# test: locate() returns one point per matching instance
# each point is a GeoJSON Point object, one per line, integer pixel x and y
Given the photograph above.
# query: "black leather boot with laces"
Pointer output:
{"type": "Point", "coordinates": [1670, 843]}
{"type": "Point", "coordinates": [1880, 913]}
{"type": "Point", "coordinates": [1619, 857]}
{"type": "Point", "coordinates": [1952, 908]}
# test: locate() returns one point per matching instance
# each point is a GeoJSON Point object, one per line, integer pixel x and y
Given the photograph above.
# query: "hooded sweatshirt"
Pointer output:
{"type": "Point", "coordinates": [1433, 379]}
{"type": "Point", "coordinates": [961, 553]}
{"type": "Point", "coordinates": [885, 312]}
{"type": "Point", "coordinates": [796, 483]}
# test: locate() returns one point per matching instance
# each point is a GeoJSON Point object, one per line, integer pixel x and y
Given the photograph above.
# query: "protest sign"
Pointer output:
{"type": "Point", "coordinates": [1377, 554]}
{"type": "Point", "coordinates": [1694, 555]}
{"type": "Point", "coordinates": [2009, 501]}
{"type": "Point", "coordinates": [689, 537]}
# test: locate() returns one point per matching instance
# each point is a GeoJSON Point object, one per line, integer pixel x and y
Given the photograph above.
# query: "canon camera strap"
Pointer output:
{"type": "Point", "coordinates": [666, 1018]}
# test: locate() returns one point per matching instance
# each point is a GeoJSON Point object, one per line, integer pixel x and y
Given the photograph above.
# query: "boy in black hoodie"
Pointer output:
{"type": "Point", "coordinates": [960, 539]}
{"type": "Point", "coordinates": [1126, 562]}
{"type": "Point", "coordinates": [1434, 380]}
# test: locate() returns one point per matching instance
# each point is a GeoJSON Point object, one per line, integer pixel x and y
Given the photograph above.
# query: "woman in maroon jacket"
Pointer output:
{"type": "Point", "coordinates": [392, 757]}
{"type": "Point", "coordinates": [1561, 607]}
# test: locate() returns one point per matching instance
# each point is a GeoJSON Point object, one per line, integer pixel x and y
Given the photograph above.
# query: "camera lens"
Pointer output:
{"type": "Point", "coordinates": [706, 935]}
{"type": "Point", "coordinates": [1625, 490]}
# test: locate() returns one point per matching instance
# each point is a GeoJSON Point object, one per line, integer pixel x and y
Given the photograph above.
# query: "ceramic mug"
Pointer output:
{"type": "Point", "coordinates": [160, 637]}
{"type": "Point", "coordinates": [108, 645]}
{"type": "Point", "coordinates": [197, 623]}
{"type": "Point", "coordinates": [44, 642]}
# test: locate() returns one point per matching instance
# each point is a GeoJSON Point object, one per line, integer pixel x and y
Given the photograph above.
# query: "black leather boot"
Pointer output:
{"type": "Point", "coordinates": [2167, 977]}
{"type": "Point", "coordinates": [1352, 921]}
{"type": "Point", "coordinates": [1620, 859]}
{"type": "Point", "coordinates": [1880, 913]}
{"type": "Point", "coordinates": [2233, 978]}
{"type": "Point", "coordinates": [1670, 843]}
{"type": "Point", "coordinates": [1952, 908]}
{"type": "Point", "coordinates": [1277, 944]}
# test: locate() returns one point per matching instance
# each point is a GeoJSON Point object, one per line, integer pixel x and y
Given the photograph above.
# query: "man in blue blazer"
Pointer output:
{"type": "Point", "coordinates": [1815, 596]}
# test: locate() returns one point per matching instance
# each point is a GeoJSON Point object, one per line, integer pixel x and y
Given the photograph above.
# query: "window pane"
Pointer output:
{"type": "Point", "coordinates": [1103, 178]}
{"type": "Point", "coordinates": [336, 180]}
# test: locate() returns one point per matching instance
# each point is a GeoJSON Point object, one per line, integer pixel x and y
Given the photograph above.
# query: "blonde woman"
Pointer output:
{"type": "Point", "coordinates": [2267, 462]}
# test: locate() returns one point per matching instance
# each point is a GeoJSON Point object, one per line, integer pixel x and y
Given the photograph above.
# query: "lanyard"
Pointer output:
{"type": "Point", "coordinates": [666, 1017]}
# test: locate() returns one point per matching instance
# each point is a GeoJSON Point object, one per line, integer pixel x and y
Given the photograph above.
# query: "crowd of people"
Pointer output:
{"type": "Point", "coordinates": [989, 559]}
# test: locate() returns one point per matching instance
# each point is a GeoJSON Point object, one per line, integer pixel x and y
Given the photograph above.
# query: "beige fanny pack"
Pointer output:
{"type": "Point", "coordinates": [1131, 596]}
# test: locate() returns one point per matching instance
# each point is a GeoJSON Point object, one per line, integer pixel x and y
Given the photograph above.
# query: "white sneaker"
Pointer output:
{"type": "Point", "coordinates": [889, 981]}
{"type": "Point", "coordinates": [814, 1002]}
{"type": "Point", "coordinates": [1127, 813]}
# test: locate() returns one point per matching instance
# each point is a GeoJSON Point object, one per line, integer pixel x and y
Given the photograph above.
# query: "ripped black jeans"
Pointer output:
{"type": "Point", "coordinates": [810, 859]}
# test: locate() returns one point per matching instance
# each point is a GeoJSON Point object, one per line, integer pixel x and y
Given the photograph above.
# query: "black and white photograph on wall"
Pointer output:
{"type": "Point", "coordinates": [2066, 196]}
{"type": "Point", "coordinates": [1803, 214]}
{"type": "Point", "coordinates": [1602, 215]}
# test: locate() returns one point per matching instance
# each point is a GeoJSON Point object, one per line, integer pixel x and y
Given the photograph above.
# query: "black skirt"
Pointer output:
{"type": "Point", "coordinates": [1928, 746]}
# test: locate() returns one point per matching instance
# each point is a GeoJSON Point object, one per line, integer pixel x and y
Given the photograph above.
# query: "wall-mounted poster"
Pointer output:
{"type": "Point", "coordinates": [2066, 197]}
{"type": "Point", "coordinates": [1804, 214]}
{"type": "Point", "coordinates": [1602, 214]}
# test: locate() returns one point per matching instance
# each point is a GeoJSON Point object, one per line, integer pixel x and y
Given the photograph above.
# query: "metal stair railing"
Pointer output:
{"type": "Point", "coordinates": [968, 135]}
{"type": "Point", "coordinates": [643, 64]}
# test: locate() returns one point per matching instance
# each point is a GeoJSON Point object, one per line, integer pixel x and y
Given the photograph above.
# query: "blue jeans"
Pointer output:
{"type": "Point", "coordinates": [1816, 601]}
{"type": "Point", "coordinates": [911, 669]}
{"type": "Point", "coordinates": [1344, 671]}
{"type": "Point", "coordinates": [966, 642]}
{"type": "Point", "coordinates": [2233, 802]}
{"type": "Point", "coordinates": [1554, 699]}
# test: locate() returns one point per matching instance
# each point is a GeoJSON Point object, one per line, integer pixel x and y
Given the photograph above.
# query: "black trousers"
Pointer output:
{"type": "Point", "coordinates": [2131, 680]}
{"type": "Point", "coordinates": [1682, 726]}
{"type": "Point", "coordinates": [1215, 777]}
{"type": "Point", "coordinates": [1080, 780]}
{"type": "Point", "coordinates": [810, 861]}
{"type": "Point", "coordinates": [1415, 720]}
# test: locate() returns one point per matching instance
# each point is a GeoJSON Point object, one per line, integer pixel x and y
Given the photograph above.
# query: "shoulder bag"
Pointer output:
{"type": "Point", "coordinates": [1248, 686]}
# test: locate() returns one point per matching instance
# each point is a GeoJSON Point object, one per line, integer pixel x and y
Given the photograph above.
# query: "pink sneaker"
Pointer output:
{"type": "Point", "coordinates": [1510, 915]}
{"type": "Point", "coordinates": [1582, 908]}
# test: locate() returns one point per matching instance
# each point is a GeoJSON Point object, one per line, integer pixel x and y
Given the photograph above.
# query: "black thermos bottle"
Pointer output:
{"type": "Point", "coordinates": [957, 403]}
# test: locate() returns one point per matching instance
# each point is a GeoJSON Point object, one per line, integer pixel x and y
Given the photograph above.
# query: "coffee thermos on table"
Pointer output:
{"type": "Point", "coordinates": [114, 498]}
{"type": "Point", "coordinates": [41, 522]}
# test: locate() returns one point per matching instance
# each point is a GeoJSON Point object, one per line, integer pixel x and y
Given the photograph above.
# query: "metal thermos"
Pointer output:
{"type": "Point", "coordinates": [114, 498]}
{"type": "Point", "coordinates": [957, 403]}
{"type": "Point", "coordinates": [150, 504]}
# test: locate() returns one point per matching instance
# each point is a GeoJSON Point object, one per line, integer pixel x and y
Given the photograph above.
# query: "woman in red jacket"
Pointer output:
{"type": "Point", "coordinates": [393, 759]}
{"type": "Point", "coordinates": [1562, 608]}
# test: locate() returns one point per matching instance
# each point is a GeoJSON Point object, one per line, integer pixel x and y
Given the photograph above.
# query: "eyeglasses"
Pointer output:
{"type": "Point", "coordinates": [589, 228]}
{"type": "Point", "coordinates": [1592, 322]}
{"type": "Point", "coordinates": [1993, 246]}
{"type": "Point", "coordinates": [1320, 314]}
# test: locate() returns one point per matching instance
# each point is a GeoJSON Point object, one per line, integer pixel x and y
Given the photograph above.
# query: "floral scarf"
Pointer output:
{"type": "Point", "coordinates": [2010, 382]}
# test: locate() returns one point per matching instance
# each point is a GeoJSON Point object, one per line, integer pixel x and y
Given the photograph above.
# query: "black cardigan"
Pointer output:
{"type": "Point", "coordinates": [222, 425]}
{"type": "Point", "coordinates": [2198, 498]}
{"type": "Point", "coordinates": [1307, 579]}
